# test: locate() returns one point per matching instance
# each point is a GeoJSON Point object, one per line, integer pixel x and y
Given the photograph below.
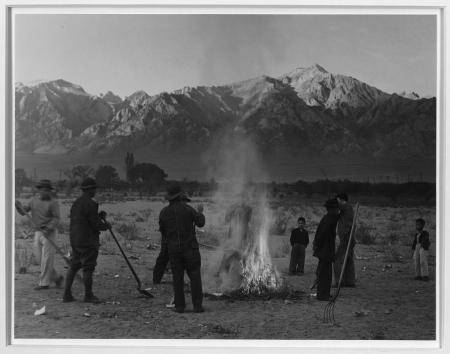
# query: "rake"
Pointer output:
{"type": "Point", "coordinates": [139, 284]}
{"type": "Point", "coordinates": [328, 312]}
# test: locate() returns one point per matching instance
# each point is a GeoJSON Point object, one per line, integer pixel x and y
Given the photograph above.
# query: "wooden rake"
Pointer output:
{"type": "Point", "coordinates": [328, 312]}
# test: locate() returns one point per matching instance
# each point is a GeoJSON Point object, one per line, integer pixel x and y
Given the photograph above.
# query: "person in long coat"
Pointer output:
{"type": "Point", "coordinates": [324, 249]}
{"type": "Point", "coordinates": [344, 228]}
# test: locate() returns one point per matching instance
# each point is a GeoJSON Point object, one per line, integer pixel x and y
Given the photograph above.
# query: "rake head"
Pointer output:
{"type": "Point", "coordinates": [328, 312]}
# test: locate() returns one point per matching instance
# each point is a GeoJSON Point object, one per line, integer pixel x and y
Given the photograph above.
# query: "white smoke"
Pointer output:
{"type": "Point", "coordinates": [237, 166]}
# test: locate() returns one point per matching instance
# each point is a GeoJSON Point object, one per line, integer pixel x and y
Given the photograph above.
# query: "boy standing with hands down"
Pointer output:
{"type": "Point", "coordinates": [421, 245]}
{"type": "Point", "coordinates": [299, 241]}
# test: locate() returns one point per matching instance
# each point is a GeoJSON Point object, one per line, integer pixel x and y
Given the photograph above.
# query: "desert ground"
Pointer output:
{"type": "Point", "coordinates": [386, 304]}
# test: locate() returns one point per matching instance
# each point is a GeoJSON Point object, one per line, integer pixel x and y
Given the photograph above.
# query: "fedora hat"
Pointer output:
{"type": "Point", "coordinates": [174, 191]}
{"type": "Point", "coordinates": [44, 183]}
{"type": "Point", "coordinates": [88, 183]}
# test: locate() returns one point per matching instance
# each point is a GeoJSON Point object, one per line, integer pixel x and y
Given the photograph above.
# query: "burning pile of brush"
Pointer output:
{"type": "Point", "coordinates": [258, 276]}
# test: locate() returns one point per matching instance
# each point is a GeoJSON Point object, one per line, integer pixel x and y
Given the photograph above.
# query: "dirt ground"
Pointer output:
{"type": "Point", "coordinates": [386, 304]}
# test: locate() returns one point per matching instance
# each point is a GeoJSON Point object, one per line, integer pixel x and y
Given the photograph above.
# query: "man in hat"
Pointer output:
{"type": "Point", "coordinates": [85, 226]}
{"type": "Point", "coordinates": [177, 223]}
{"type": "Point", "coordinates": [324, 248]}
{"type": "Point", "coordinates": [344, 229]}
{"type": "Point", "coordinates": [163, 257]}
{"type": "Point", "coordinates": [45, 218]}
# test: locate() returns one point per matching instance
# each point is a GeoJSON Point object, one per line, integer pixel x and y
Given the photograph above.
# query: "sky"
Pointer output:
{"type": "Point", "coordinates": [156, 53]}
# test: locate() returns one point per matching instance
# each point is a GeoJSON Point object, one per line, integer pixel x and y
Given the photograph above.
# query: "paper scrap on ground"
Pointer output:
{"type": "Point", "coordinates": [41, 311]}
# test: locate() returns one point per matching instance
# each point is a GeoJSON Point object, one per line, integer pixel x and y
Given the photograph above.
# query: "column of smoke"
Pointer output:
{"type": "Point", "coordinates": [235, 163]}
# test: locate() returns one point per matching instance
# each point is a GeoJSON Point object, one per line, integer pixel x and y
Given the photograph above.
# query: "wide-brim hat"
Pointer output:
{"type": "Point", "coordinates": [88, 183]}
{"type": "Point", "coordinates": [185, 197]}
{"type": "Point", "coordinates": [174, 192]}
{"type": "Point", "coordinates": [44, 183]}
{"type": "Point", "coordinates": [331, 203]}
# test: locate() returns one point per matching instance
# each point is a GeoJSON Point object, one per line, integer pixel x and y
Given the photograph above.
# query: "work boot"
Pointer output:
{"type": "Point", "coordinates": [41, 287]}
{"type": "Point", "coordinates": [68, 298]}
{"type": "Point", "coordinates": [92, 299]}
{"type": "Point", "coordinates": [418, 278]}
{"type": "Point", "coordinates": [199, 309]}
{"type": "Point", "coordinates": [425, 278]}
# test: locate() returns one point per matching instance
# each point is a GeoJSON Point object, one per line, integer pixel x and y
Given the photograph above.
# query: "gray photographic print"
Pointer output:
{"type": "Point", "coordinates": [219, 176]}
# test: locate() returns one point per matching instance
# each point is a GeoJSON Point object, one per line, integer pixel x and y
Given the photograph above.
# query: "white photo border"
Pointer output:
{"type": "Point", "coordinates": [9, 9]}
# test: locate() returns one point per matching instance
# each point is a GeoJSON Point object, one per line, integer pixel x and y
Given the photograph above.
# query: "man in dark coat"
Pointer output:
{"type": "Point", "coordinates": [177, 223]}
{"type": "Point", "coordinates": [85, 226]}
{"type": "Point", "coordinates": [323, 247]}
{"type": "Point", "coordinates": [299, 241]}
{"type": "Point", "coordinates": [344, 228]}
{"type": "Point", "coordinates": [163, 257]}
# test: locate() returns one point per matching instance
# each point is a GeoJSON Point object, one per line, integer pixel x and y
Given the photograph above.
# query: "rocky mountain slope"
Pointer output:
{"type": "Point", "coordinates": [308, 110]}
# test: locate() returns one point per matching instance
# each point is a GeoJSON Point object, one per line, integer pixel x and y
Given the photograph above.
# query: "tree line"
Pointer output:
{"type": "Point", "coordinates": [149, 178]}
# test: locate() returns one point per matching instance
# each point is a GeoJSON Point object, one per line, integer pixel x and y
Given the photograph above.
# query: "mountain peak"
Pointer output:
{"type": "Point", "coordinates": [410, 95]}
{"type": "Point", "coordinates": [317, 67]}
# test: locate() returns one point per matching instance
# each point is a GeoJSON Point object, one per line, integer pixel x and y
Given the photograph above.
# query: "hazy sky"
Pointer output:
{"type": "Point", "coordinates": [126, 53]}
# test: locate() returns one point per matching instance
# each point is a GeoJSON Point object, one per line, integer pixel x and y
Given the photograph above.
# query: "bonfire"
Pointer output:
{"type": "Point", "coordinates": [258, 275]}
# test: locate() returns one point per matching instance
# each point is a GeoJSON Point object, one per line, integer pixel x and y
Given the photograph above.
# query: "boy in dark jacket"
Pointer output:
{"type": "Point", "coordinates": [324, 249]}
{"type": "Point", "coordinates": [299, 241]}
{"type": "Point", "coordinates": [177, 223]}
{"type": "Point", "coordinates": [421, 245]}
{"type": "Point", "coordinates": [85, 226]}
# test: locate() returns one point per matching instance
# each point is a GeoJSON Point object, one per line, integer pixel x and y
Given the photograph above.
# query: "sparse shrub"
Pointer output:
{"type": "Point", "coordinates": [107, 244]}
{"type": "Point", "coordinates": [393, 238]}
{"type": "Point", "coordinates": [128, 231]}
{"type": "Point", "coordinates": [393, 254]}
{"type": "Point", "coordinates": [364, 235]}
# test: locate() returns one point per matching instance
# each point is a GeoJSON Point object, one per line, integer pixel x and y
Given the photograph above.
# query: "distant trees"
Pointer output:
{"type": "Point", "coordinates": [107, 176]}
{"type": "Point", "coordinates": [147, 175]}
{"type": "Point", "coordinates": [21, 179]}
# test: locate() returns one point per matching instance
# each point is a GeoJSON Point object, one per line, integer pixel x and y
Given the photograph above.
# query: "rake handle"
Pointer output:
{"type": "Point", "coordinates": [125, 256]}
{"type": "Point", "coordinates": [344, 264]}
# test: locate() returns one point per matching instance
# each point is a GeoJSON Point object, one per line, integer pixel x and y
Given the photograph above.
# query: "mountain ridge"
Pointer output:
{"type": "Point", "coordinates": [308, 110]}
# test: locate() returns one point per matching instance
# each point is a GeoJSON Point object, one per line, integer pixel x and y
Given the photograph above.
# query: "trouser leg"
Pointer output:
{"type": "Point", "coordinates": [193, 266]}
{"type": "Point", "coordinates": [37, 247]}
{"type": "Point", "coordinates": [177, 265]}
{"type": "Point", "coordinates": [301, 259]}
{"type": "Point", "coordinates": [417, 261]}
{"type": "Point", "coordinates": [325, 275]}
{"type": "Point", "coordinates": [423, 254]}
{"type": "Point", "coordinates": [48, 272]}
{"type": "Point", "coordinates": [161, 264]}
{"type": "Point", "coordinates": [88, 263]}
{"type": "Point", "coordinates": [292, 261]}
{"type": "Point", "coordinates": [75, 265]}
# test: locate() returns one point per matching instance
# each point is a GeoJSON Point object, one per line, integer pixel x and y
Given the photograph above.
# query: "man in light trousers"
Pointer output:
{"type": "Point", "coordinates": [45, 218]}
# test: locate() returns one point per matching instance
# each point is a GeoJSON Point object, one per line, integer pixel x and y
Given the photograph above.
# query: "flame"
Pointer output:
{"type": "Point", "coordinates": [259, 275]}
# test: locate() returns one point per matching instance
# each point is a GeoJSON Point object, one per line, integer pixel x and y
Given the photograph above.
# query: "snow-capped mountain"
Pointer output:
{"type": "Point", "coordinates": [307, 109]}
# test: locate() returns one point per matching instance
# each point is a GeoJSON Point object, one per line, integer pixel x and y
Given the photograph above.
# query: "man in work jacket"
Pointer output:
{"type": "Point", "coordinates": [85, 227]}
{"type": "Point", "coordinates": [177, 223]}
